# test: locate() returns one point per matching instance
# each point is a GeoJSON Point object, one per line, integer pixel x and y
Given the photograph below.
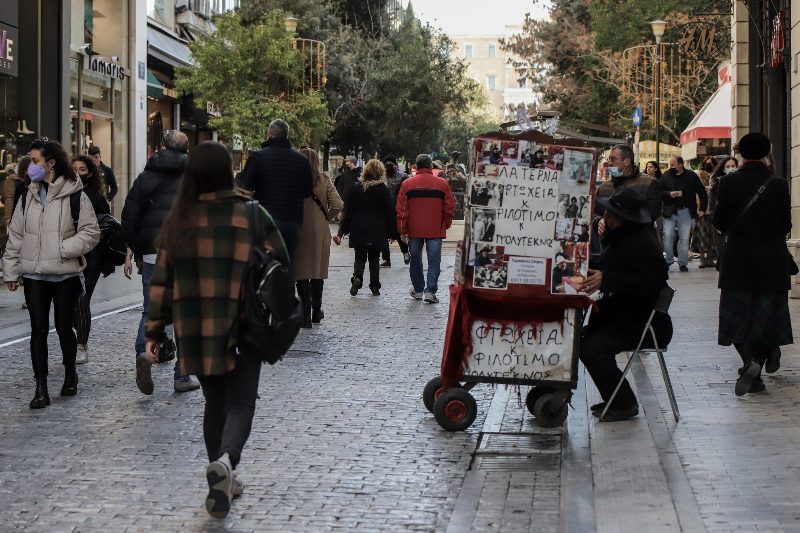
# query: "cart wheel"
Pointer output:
{"type": "Point", "coordinates": [433, 389]}
{"type": "Point", "coordinates": [455, 409]}
{"type": "Point", "coordinates": [534, 394]}
{"type": "Point", "coordinates": [551, 410]}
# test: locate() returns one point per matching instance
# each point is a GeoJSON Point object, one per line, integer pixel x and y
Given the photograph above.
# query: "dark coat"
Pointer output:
{"type": "Point", "coordinates": [280, 178]}
{"type": "Point", "coordinates": [649, 188]}
{"type": "Point", "coordinates": [755, 256]}
{"type": "Point", "coordinates": [150, 200]}
{"type": "Point", "coordinates": [369, 216]}
{"type": "Point", "coordinates": [107, 173]}
{"type": "Point", "coordinates": [634, 272]}
{"type": "Point", "coordinates": [345, 183]}
{"type": "Point", "coordinates": [692, 187]}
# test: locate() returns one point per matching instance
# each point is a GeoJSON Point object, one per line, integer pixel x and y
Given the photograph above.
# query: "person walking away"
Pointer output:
{"type": "Point", "coordinates": [48, 238]}
{"type": "Point", "coordinates": [681, 189]}
{"type": "Point", "coordinates": [370, 221]}
{"type": "Point", "coordinates": [281, 179]}
{"type": "Point", "coordinates": [109, 185]}
{"type": "Point", "coordinates": [703, 231]}
{"type": "Point", "coordinates": [394, 179]}
{"type": "Point", "coordinates": [203, 250]}
{"type": "Point", "coordinates": [725, 167]}
{"type": "Point", "coordinates": [631, 276]}
{"type": "Point", "coordinates": [347, 179]}
{"type": "Point", "coordinates": [86, 170]}
{"type": "Point", "coordinates": [425, 208]}
{"type": "Point", "coordinates": [314, 250]}
{"type": "Point", "coordinates": [146, 207]}
{"type": "Point", "coordinates": [754, 211]}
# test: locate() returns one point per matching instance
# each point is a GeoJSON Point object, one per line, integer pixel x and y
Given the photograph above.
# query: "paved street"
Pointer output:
{"type": "Point", "coordinates": [341, 440]}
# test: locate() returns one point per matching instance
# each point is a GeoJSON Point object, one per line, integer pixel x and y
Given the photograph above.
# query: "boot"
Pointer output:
{"type": "Point", "coordinates": [41, 398]}
{"type": "Point", "coordinates": [316, 301]}
{"type": "Point", "coordinates": [304, 291]}
{"type": "Point", "coordinates": [70, 387]}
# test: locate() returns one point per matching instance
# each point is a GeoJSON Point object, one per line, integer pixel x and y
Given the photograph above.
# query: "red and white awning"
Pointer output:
{"type": "Point", "coordinates": [713, 121]}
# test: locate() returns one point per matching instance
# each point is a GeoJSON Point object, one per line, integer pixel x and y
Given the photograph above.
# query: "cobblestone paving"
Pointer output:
{"type": "Point", "coordinates": [341, 440]}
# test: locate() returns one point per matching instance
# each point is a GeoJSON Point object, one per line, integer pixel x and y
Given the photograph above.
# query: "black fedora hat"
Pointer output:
{"type": "Point", "coordinates": [627, 204]}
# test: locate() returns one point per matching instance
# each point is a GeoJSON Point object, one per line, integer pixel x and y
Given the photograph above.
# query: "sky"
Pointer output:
{"type": "Point", "coordinates": [471, 17]}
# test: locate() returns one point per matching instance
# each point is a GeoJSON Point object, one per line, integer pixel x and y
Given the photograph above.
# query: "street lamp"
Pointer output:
{"type": "Point", "coordinates": [291, 24]}
{"type": "Point", "coordinates": [658, 31]}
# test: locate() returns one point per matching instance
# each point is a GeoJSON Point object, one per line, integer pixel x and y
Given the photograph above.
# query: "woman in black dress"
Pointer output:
{"type": "Point", "coordinates": [755, 265]}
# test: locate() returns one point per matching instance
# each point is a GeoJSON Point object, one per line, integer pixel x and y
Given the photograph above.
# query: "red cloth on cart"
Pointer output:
{"type": "Point", "coordinates": [525, 305]}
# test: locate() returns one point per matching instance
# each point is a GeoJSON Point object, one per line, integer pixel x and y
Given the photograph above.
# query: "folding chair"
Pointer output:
{"type": "Point", "coordinates": [662, 305]}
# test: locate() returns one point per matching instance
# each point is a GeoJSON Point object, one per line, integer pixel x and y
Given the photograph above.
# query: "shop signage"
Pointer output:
{"type": "Point", "coordinates": [169, 92]}
{"type": "Point", "coordinates": [100, 65]}
{"type": "Point", "coordinates": [8, 51]}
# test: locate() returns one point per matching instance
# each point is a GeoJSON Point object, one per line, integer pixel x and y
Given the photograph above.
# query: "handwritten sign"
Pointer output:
{"type": "Point", "coordinates": [541, 353]}
{"type": "Point", "coordinates": [527, 270]}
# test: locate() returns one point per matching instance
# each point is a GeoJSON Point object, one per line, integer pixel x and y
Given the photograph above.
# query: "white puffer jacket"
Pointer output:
{"type": "Point", "coordinates": [43, 240]}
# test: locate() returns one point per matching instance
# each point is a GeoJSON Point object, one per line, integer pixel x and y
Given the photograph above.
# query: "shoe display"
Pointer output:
{"type": "Point", "coordinates": [386, 264]}
{"type": "Point", "coordinates": [220, 485]}
{"type": "Point", "coordinates": [617, 415]}
{"type": "Point", "coordinates": [773, 363]}
{"type": "Point", "coordinates": [407, 258]}
{"type": "Point", "coordinates": [745, 381]}
{"type": "Point", "coordinates": [22, 128]}
{"type": "Point", "coordinates": [70, 387]}
{"type": "Point", "coordinates": [417, 295]}
{"type": "Point", "coordinates": [430, 298]}
{"type": "Point", "coordinates": [83, 355]}
{"type": "Point", "coordinates": [144, 380]}
{"type": "Point", "coordinates": [186, 384]}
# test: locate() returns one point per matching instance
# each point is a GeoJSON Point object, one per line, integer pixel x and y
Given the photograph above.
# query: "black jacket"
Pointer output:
{"type": "Point", "coordinates": [634, 272]}
{"type": "Point", "coordinates": [755, 256]}
{"type": "Point", "coordinates": [369, 219]}
{"type": "Point", "coordinates": [281, 179]}
{"type": "Point", "coordinates": [150, 200]}
{"type": "Point", "coordinates": [692, 187]}
{"type": "Point", "coordinates": [111, 180]}
{"type": "Point", "coordinates": [345, 183]}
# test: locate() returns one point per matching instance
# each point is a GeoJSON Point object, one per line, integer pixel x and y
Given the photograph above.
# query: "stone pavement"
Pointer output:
{"type": "Point", "coordinates": [342, 442]}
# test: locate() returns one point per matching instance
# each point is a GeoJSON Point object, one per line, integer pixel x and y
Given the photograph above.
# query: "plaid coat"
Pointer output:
{"type": "Point", "coordinates": [199, 289]}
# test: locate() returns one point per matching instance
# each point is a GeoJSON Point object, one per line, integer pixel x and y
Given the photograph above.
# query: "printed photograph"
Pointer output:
{"type": "Point", "coordinates": [582, 259]}
{"type": "Point", "coordinates": [577, 173]}
{"type": "Point", "coordinates": [486, 193]}
{"type": "Point", "coordinates": [565, 229]}
{"type": "Point", "coordinates": [483, 255]}
{"type": "Point", "coordinates": [492, 276]}
{"type": "Point", "coordinates": [572, 206]}
{"type": "Point", "coordinates": [555, 158]}
{"type": "Point", "coordinates": [510, 151]}
{"type": "Point", "coordinates": [483, 224]}
{"type": "Point", "coordinates": [563, 272]}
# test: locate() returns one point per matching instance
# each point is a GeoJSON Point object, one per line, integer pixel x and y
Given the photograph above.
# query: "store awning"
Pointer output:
{"type": "Point", "coordinates": [168, 48]}
{"type": "Point", "coordinates": [713, 121]}
{"type": "Point", "coordinates": [159, 86]}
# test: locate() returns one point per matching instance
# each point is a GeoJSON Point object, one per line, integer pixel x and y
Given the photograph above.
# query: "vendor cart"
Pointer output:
{"type": "Point", "coordinates": [516, 304]}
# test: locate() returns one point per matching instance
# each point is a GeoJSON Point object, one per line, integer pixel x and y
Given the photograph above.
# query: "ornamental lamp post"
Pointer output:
{"type": "Point", "coordinates": [314, 57]}
{"type": "Point", "coordinates": [658, 32]}
{"type": "Point", "coordinates": [291, 24]}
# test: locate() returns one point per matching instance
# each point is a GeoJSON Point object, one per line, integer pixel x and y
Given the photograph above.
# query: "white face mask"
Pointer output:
{"type": "Point", "coordinates": [729, 170]}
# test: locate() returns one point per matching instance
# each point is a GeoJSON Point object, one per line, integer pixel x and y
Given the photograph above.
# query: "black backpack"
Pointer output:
{"type": "Point", "coordinates": [271, 312]}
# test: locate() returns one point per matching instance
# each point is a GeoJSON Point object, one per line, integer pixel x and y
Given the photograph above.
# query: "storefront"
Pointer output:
{"type": "Point", "coordinates": [99, 80]}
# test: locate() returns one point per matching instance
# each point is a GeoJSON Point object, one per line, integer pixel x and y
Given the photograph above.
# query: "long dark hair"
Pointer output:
{"type": "Point", "coordinates": [22, 168]}
{"type": "Point", "coordinates": [720, 170]}
{"type": "Point", "coordinates": [210, 169]}
{"type": "Point", "coordinates": [92, 183]}
{"type": "Point", "coordinates": [658, 170]}
{"type": "Point", "coordinates": [53, 150]}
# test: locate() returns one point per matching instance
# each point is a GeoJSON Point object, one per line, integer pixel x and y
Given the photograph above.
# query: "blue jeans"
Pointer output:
{"type": "Point", "coordinates": [434, 248]}
{"type": "Point", "coordinates": [147, 275]}
{"type": "Point", "coordinates": [683, 220]}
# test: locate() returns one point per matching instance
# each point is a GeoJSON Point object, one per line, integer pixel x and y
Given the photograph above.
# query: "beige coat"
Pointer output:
{"type": "Point", "coordinates": [314, 250]}
{"type": "Point", "coordinates": [42, 240]}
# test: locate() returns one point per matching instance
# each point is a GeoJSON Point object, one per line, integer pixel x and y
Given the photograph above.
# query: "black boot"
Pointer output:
{"type": "Point", "coordinates": [41, 398]}
{"type": "Point", "coordinates": [304, 290]}
{"type": "Point", "coordinates": [316, 301]}
{"type": "Point", "coordinates": [355, 284]}
{"type": "Point", "coordinates": [70, 387]}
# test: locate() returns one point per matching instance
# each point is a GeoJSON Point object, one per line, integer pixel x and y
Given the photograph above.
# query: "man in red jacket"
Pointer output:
{"type": "Point", "coordinates": [425, 208]}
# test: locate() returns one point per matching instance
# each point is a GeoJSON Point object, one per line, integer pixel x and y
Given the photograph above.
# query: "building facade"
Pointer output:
{"type": "Point", "coordinates": [505, 77]}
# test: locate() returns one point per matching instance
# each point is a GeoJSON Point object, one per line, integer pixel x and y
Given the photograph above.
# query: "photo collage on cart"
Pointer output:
{"type": "Point", "coordinates": [528, 204]}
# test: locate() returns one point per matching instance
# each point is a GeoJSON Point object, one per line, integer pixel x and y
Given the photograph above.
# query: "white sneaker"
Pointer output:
{"type": "Point", "coordinates": [220, 485]}
{"type": "Point", "coordinates": [431, 298]}
{"type": "Point", "coordinates": [237, 488]}
{"type": "Point", "coordinates": [83, 355]}
{"type": "Point", "coordinates": [416, 295]}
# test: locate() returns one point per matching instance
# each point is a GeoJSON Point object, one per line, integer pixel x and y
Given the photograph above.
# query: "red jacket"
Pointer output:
{"type": "Point", "coordinates": [425, 206]}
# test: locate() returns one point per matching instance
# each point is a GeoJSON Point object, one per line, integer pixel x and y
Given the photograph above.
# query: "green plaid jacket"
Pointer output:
{"type": "Point", "coordinates": [199, 289]}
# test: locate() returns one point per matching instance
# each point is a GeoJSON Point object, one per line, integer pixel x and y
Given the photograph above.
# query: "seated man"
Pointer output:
{"type": "Point", "coordinates": [632, 276]}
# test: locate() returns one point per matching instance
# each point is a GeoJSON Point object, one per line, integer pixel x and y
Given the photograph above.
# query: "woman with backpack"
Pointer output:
{"type": "Point", "coordinates": [203, 250]}
{"type": "Point", "coordinates": [314, 250]}
{"type": "Point", "coordinates": [369, 219]}
{"type": "Point", "coordinates": [87, 171]}
{"type": "Point", "coordinates": [50, 232]}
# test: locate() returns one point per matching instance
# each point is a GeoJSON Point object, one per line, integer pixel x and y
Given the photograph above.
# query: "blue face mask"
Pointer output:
{"type": "Point", "coordinates": [615, 172]}
{"type": "Point", "coordinates": [36, 172]}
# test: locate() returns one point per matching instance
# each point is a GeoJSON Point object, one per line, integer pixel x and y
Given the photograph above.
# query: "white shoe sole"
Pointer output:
{"type": "Point", "coordinates": [220, 484]}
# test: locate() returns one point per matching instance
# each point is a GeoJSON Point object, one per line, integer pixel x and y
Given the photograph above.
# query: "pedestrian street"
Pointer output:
{"type": "Point", "coordinates": [342, 442]}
